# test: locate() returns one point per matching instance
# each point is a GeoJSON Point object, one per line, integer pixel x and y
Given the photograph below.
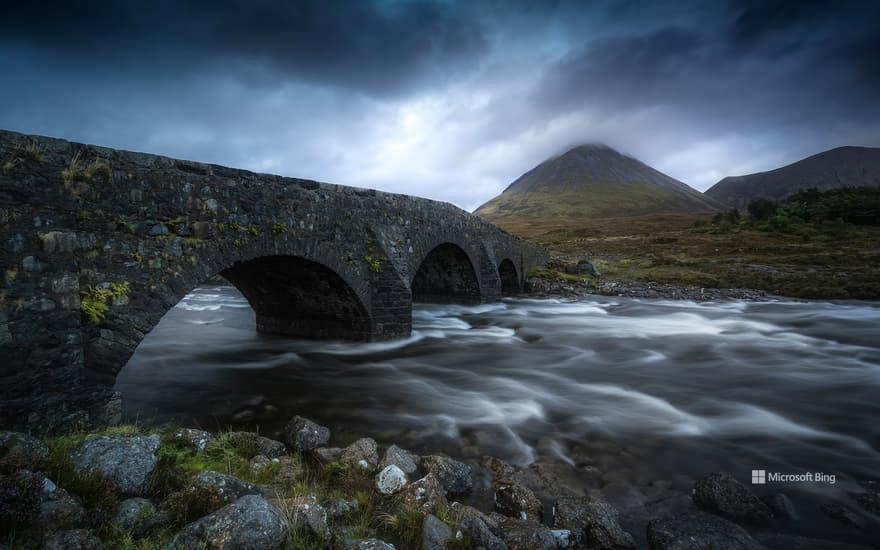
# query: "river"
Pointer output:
{"type": "Point", "coordinates": [634, 398]}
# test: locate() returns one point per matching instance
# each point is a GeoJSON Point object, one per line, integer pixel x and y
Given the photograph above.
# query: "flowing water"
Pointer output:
{"type": "Point", "coordinates": [635, 398]}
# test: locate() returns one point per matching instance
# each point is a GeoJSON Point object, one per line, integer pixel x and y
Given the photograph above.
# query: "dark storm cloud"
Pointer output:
{"type": "Point", "coordinates": [378, 47]}
{"type": "Point", "coordinates": [443, 98]}
{"type": "Point", "coordinates": [745, 67]}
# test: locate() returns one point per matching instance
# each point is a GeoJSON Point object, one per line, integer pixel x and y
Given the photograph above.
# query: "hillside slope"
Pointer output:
{"type": "Point", "coordinates": [840, 167]}
{"type": "Point", "coordinates": [593, 181]}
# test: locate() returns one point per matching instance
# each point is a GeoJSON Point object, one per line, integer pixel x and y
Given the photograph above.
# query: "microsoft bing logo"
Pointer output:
{"type": "Point", "coordinates": [759, 477]}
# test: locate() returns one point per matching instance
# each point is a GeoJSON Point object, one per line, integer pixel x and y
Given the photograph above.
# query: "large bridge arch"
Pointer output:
{"type": "Point", "coordinates": [446, 274]}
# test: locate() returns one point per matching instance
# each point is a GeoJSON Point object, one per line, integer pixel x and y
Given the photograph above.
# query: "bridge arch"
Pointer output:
{"type": "Point", "coordinates": [446, 275]}
{"type": "Point", "coordinates": [510, 280]}
{"type": "Point", "coordinates": [301, 298]}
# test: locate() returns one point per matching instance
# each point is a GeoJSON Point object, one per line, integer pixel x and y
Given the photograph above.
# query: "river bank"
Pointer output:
{"type": "Point", "coordinates": [142, 488]}
{"type": "Point", "coordinates": [583, 287]}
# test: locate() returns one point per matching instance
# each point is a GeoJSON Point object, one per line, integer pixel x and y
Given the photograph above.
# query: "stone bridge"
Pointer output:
{"type": "Point", "coordinates": [97, 244]}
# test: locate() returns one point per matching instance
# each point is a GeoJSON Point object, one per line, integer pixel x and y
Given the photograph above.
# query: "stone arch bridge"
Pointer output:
{"type": "Point", "coordinates": [97, 244]}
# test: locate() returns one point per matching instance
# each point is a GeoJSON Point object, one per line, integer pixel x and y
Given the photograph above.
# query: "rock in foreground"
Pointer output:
{"type": "Point", "coordinates": [698, 531]}
{"type": "Point", "coordinates": [125, 461]}
{"type": "Point", "coordinates": [249, 522]}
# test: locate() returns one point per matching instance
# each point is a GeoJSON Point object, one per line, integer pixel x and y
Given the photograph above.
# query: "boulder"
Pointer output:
{"type": "Point", "coordinates": [390, 480]}
{"type": "Point", "coordinates": [228, 488]}
{"type": "Point", "coordinates": [781, 506]}
{"type": "Point", "coordinates": [841, 513]}
{"type": "Point", "coordinates": [497, 467]}
{"type": "Point", "coordinates": [74, 539]}
{"type": "Point", "coordinates": [365, 544]}
{"type": "Point", "coordinates": [405, 460]}
{"type": "Point", "coordinates": [249, 522]}
{"type": "Point", "coordinates": [260, 462]}
{"type": "Point", "coordinates": [341, 507]}
{"type": "Point", "coordinates": [520, 534]}
{"type": "Point", "coordinates": [125, 461]}
{"type": "Point", "coordinates": [592, 522]}
{"type": "Point", "coordinates": [270, 447]}
{"type": "Point", "coordinates": [260, 445]}
{"type": "Point", "coordinates": [363, 453]}
{"type": "Point", "coordinates": [423, 495]}
{"type": "Point", "coordinates": [721, 494]}
{"type": "Point", "coordinates": [59, 510]}
{"type": "Point", "coordinates": [304, 512]}
{"type": "Point", "coordinates": [21, 451]}
{"type": "Point", "coordinates": [698, 531]}
{"type": "Point", "coordinates": [139, 516]}
{"type": "Point", "coordinates": [476, 528]}
{"type": "Point", "coordinates": [515, 500]}
{"type": "Point", "coordinates": [194, 439]}
{"type": "Point", "coordinates": [435, 534]}
{"type": "Point", "coordinates": [301, 434]}
{"type": "Point", "coordinates": [454, 476]}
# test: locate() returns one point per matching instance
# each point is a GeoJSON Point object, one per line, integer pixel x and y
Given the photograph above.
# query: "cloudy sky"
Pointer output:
{"type": "Point", "coordinates": [444, 99]}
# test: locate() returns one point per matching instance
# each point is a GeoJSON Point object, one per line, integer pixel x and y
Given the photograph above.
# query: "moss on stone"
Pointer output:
{"type": "Point", "coordinates": [93, 302]}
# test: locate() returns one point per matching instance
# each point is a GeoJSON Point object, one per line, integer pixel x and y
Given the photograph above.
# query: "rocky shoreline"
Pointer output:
{"type": "Point", "coordinates": [568, 288]}
{"type": "Point", "coordinates": [187, 488]}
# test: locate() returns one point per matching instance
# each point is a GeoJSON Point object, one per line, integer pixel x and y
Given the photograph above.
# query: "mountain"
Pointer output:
{"type": "Point", "coordinates": [593, 181]}
{"type": "Point", "coordinates": [840, 167]}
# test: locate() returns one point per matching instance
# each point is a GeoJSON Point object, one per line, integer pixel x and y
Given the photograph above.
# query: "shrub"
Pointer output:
{"type": "Point", "coordinates": [761, 209]}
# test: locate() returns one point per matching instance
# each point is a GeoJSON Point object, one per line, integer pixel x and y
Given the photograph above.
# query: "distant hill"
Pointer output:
{"type": "Point", "coordinates": [592, 181]}
{"type": "Point", "coordinates": [840, 167]}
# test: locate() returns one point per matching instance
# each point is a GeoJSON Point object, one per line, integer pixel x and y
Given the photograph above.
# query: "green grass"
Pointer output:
{"type": "Point", "coordinates": [827, 260]}
{"type": "Point", "coordinates": [230, 452]}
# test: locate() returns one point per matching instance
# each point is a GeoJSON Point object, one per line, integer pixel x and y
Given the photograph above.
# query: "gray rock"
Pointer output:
{"type": "Point", "coordinates": [304, 512]}
{"type": "Point", "coordinates": [365, 544]}
{"type": "Point", "coordinates": [139, 516]}
{"type": "Point", "coordinates": [363, 453]}
{"type": "Point", "coordinates": [259, 462]}
{"type": "Point", "coordinates": [563, 537]}
{"type": "Point", "coordinates": [699, 531]}
{"type": "Point", "coordinates": [841, 513]}
{"type": "Point", "coordinates": [390, 480]}
{"type": "Point", "coordinates": [270, 447]}
{"type": "Point", "coordinates": [341, 507]}
{"type": "Point", "coordinates": [59, 510]}
{"type": "Point", "coordinates": [475, 527]}
{"type": "Point", "coordinates": [423, 495]}
{"type": "Point", "coordinates": [74, 539]}
{"type": "Point", "coordinates": [192, 438]}
{"type": "Point", "coordinates": [125, 461]}
{"type": "Point", "coordinates": [227, 487]}
{"type": "Point", "coordinates": [405, 460]}
{"type": "Point", "coordinates": [474, 530]}
{"type": "Point", "coordinates": [301, 434]}
{"type": "Point", "coordinates": [520, 534]}
{"type": "Point", "coordinates": [498, 467]}
{"type": "Point", "coordinates": [781, 506]}
{"type": "Point", "coordinates": [435, 534]}
{"type": "Point", "coordinates": [21, 451]}
{"type": "Point", "coordinates": [721, 494]}
{"type": "Point", "coordinates": [593, 523]}
{"type": "Point", "coordinates": [455, 476]}
{"type": "Point", "coordinates": [249, 522]}
{"type": "Point", "coordinates": [514, 500]}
